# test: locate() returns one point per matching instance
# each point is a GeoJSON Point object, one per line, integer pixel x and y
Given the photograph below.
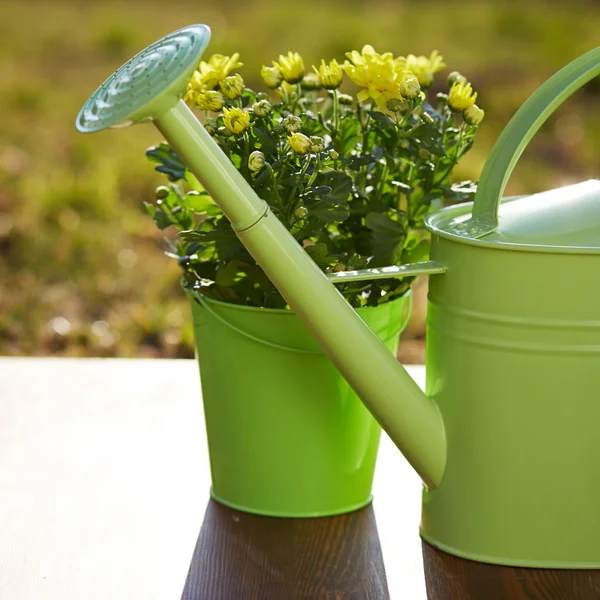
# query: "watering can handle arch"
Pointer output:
{"type": "Point", "coordinates": [519, 132]}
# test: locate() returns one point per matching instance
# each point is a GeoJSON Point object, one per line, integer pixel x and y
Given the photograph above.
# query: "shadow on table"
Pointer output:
{"type": "Point", "coordinates": [239, 556]}
{"type": "Point", "coordinates": [450, 578]}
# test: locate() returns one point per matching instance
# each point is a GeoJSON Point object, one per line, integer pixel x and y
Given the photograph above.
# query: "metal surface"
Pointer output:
{"type": "Point", "coordinates": [287, 436]}
{"type": "Point", "coordinates": [412, 270]}
{"type": "Point", "coordinates": [513, 350]}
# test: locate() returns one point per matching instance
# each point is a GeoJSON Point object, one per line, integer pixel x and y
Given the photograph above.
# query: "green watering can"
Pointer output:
{"type": "Point", "coordinates": [506, 439]}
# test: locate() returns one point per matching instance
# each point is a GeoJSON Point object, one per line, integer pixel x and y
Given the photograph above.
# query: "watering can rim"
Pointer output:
{"type": "Point", "coordinates": [445, 223]}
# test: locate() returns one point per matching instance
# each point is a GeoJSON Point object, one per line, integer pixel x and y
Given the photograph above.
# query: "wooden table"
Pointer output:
{"type": "Point", "coordinates": [104, 484]}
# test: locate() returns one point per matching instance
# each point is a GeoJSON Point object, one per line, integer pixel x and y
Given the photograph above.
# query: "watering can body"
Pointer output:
{"type": "Point", "coordinates": [513, 363]}
{"type": "Point", "coordinates": [505, 438]}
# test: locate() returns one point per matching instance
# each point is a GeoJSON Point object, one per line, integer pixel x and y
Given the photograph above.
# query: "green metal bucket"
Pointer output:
{"type": "Point", "coordinates": [287, 436]}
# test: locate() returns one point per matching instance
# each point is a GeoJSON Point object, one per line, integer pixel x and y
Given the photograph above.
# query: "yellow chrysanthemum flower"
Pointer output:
{"type": "Point", "coordinates": [299, 143]}
{"type": "Point", "coordinates": [211, 73]}
{"type": "Point", "coordinates": [423, 67]}
{"type": "Point", "coordinates": [330, 75]}
{"type": "Point", "coordinates": [272, 76]}
{"type": "Point", "coordinates": [194, 85]}
{"type": "Point", "coordinates": [368, 54]}
{"type": "Point", "coordinates": [232, 86]}
{"type": "Point", "coordinates": [291, 66]}
{"type": "Point", "coordinates": [236, 120]}
{"type": "Point", "coordinates": [461, 96]}
{"type": "Point", "coordinates": [209, 100]}
{"type": "Point", "coordinates": [375, 73]}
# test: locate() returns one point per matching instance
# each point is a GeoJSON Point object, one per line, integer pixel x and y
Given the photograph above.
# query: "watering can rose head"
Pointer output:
{"type": "Point", "coordinates": [350, 175]}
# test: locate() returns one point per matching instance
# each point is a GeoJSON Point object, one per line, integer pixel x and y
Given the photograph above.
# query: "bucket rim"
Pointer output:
{"type": "Point", "coordinates": [280, 311]}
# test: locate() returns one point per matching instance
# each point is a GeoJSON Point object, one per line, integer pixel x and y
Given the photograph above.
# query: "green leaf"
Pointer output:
{"type": "Point", "coordinates": [230, 273]}
{"type": "Point", "coordinates": [346, 136]}
{"type": "Point", "coordinates": [161, 219]}
{"type": "Point", "coordinates": [167, 160]}
{"type": "Point", "coordinates": [321, 190]}
{"type": "Point", "coordinates": [338, 181]}
{"type": "Point", "coordinates": [427, 136]}
{"type": "Point", "coordinates": [194, 183]}
{"type": "Point", "coordinates": [358, 161]}
{"type": "Point", "coordinates": [201, 203]}
{"type": "Point", "coordinates": [329, 212]}
{"type": "Point", "coordinates": [266, 139]}
{"type": "Point", "coordinates": [418, 253]}
{"type": "Point", "coordinates": [382, 119]}
{"type": "Point", "coordinates": [320, 254]}
{"type": "Point", "coordinates": [388, 236]}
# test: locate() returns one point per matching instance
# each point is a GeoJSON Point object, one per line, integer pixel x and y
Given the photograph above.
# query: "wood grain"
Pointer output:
{"type": "Point", "coordinates": [448, 577]}
{"type": "Point", "coordinates": [246, 557]}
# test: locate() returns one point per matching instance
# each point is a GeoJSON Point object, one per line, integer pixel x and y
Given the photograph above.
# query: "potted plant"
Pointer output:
{"type": "Point", "coordinates": [352, 179]}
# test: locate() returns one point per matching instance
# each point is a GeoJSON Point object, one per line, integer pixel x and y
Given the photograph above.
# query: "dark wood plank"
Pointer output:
{"type": "Point", "coordinates": [451, 578]}
{"type": "Point", "coordinates": [240, 556]}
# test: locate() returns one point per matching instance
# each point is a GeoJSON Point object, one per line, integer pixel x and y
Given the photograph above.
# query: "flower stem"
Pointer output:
{"type": "Point", "coordinates": [455, 158]}
{"type": "Point", "coordinates": [336, 111]}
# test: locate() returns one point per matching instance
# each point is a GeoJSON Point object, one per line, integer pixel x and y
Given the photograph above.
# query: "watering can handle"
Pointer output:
{"type": "Point", "coordinates": [517, 134]}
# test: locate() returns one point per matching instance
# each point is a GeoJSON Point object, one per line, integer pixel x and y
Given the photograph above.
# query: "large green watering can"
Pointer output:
{"type": "Point", "coordinates": [506, 439]}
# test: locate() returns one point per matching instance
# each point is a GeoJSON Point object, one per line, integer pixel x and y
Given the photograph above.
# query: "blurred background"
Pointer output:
{"type": "Point", "coordinates": [82, 268]}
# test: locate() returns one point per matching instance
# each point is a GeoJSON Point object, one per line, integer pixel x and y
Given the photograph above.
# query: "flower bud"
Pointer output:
{"type": "Point", "coordinates": [292, 124]}
{"type": "Point", "coordinates": [301, 212]}
{"type": "Point", "coordinates": [291, 66]}
{"type": "Point", "coordinates": [279, 129]}
{"type": "Point", "coordinates": [330, 75]}
{"type": "Point", "coordinates": [394, 104]}
{"type": "Point", "coordinates": [311, 81]}
{"type": "Point", "coordinates": [262, 108]}
{"type": "Point", "coordinates": [409, 87]}
{"type": "Point", "coordinates": [456, 77]}
{"type": "Point", "coordinates": [210, 100]}
{"type": "Point", "coordinates": [333, 155]}
{"type": "Point", "coordinates": [256, 161]}
{"type": "Point", "coordinates": [299, 143]}
{"type": "Point", "coordinates": [317, 144]}
{"type": "Point", "coordinates": [423, 154]}
{"type": "Point", "coordinates": [224, 132]}
{"type": "Point", "coordinates": [473, 115]}
{"type": "Point", "coordinates": [236, 120]}
{"type": "Point", "coordinates": [162, 191]}
{"type": "Point", "coordinates": [461, 96]}
{"type": "Point", "coordinates": [232, 86]}
{"type": "Point", "coordinates": [211, 126]}
{"type": "Point", "coordinates": [427, 118]}
{"type": "Point", "coordinates": [272, 76]}
{"type": "Point", "coordinates": [442, 99]}
{"type": "Point", "coordinates": [345, 99]}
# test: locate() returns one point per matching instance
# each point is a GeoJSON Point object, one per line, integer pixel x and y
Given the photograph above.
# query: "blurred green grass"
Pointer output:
{"type": "Point", "coordinates": [82, 266]}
